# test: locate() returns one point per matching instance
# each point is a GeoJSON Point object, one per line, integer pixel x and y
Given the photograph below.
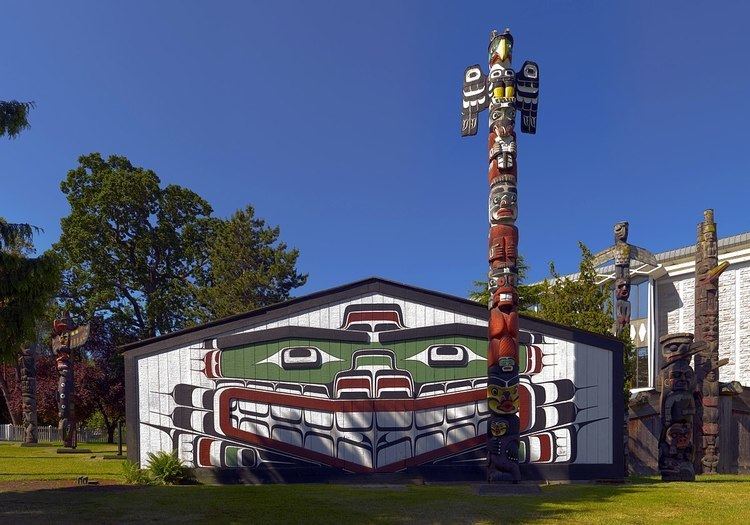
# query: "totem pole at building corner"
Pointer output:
{"type": "Point", "coordinates": [504, 92]}
{"type": "Point", "coordinates": [66, 337]}
{"type": "Point", "coordinates": [707, 272]}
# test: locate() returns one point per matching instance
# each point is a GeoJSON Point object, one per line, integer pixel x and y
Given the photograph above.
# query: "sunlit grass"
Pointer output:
{"type": "Point", "coordinates": [44, 463]}
{"type": "Point", "coordinates": [719, 499]}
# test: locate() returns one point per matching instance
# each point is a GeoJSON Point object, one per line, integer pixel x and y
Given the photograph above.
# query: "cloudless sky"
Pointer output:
{"type": "Point", "coordinates": [339, 121]}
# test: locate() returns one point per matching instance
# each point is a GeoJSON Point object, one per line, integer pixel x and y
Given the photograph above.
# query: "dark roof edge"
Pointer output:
{"type": "Point", "coordinates": [370, 284]}
{"type": "Point", "coordinates": [341, 293]}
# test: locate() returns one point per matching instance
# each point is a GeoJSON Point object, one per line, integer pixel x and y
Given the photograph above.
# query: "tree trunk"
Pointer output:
{"type": "Point", "coordinates": [111, 433]}
{"type": "Point", "coordinates": [6, 397]}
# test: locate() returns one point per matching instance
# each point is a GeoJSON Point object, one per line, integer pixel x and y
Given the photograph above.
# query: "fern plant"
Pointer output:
{"type": "Point", "coordinates": [166, 468]}
{"type": "Point", "coordinates": [134, 475]}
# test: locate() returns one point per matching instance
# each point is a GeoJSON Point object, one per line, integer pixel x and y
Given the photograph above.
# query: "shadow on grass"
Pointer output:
{"type": "Point", "coordinates": [313, 503]}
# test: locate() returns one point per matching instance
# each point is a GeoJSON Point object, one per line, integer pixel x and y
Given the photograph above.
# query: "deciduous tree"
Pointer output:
{"type": "Point", "coordinates": [133, 249]}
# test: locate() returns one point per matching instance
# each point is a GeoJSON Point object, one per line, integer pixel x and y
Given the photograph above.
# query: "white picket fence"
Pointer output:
{"type": "Point", "coordinates": [50, 434]}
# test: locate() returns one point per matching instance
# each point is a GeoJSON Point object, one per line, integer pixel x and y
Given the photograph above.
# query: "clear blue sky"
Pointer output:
{"type": "Point", "coordinates": [339, 121]}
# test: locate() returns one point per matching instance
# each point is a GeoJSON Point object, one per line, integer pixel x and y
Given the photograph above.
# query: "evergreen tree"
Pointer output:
{"type": "Point", "coordinates": [14, 117]}
{"type": "Point", "coordinates": [249, 266]}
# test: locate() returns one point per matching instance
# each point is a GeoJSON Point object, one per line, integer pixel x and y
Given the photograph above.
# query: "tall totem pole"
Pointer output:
{"type": "Point", "coordinates": [504, 91]}
{"type": "Point", "coordinates": [27, 367]}
{"type": "Point", "coordinates": [707, 272]}
{"type": "Point", "coordinates": [66, 337]}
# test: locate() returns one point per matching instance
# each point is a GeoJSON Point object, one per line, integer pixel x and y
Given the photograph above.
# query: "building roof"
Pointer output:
{"type": "Point", "coordinates": [339, 293]}
{"type": "Point", "coordinates": [687, 251]}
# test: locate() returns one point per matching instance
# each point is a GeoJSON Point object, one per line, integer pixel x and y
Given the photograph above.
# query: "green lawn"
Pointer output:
{"type": "Point", "coordinates": [43, 462]}
{"type": "Point", "coordinates": [718, 499]}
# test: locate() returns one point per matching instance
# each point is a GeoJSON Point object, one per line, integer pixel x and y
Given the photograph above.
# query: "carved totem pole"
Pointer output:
{"type": "Point", "coordinates": [66, 337]}
{"type": "Point", "coordinates": [503, 91]}
{"type": "Point", "coordinates": [622, 253]}
{"type": "Point", "coordinates": [676, 449]}
{"type": "Point", "coordinates": [622, 279]}
{"type": "Point", "coordinates": [707, 272]}
{"type": "Point", "coordinates": [27, 366]}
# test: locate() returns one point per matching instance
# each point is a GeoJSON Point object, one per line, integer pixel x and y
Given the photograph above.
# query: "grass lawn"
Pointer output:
{"type": "Point", "coordinates": [642, 500]}
{"type": "Point", "coordinates": [44, 463]}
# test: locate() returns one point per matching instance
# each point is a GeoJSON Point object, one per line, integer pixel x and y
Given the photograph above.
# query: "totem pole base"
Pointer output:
{"type": "Point", "coordinates": [64, 450]}
{"type": "Point", "coordinates": [507, 489]}
{"type": "Point", "coordinates": [683, 475]}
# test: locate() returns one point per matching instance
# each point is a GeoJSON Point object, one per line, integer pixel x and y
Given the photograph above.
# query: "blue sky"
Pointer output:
{"type": "Point", "coordinates": [339, 121]}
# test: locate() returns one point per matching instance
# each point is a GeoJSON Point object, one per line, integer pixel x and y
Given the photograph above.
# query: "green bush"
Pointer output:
{"type": "Point", "coordinates": [134, 475]}
{"type": "Point", "coordinates": [166, 468]}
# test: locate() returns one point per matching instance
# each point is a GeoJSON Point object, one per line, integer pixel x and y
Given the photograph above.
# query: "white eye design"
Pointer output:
{"type": "Point", "coordinates": [446, 356]}
{"type": "Point", "coordinates": [473, 74]}
{"type": "Point", "coordinates": [300, 358]}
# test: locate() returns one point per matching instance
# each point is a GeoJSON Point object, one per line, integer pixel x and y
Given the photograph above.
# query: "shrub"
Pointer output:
{"type": "Point", "coordinates": [134, 475]}
{"type": "Point", "coordinates": [166, 468]}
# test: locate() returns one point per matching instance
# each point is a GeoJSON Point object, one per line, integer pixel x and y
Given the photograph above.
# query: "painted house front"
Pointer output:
{"type": "Point", "coordinates": [371, 377]}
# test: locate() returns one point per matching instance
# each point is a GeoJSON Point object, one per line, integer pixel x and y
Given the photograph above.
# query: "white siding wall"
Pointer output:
{"type": "Point", "coordinates": [677, 311]}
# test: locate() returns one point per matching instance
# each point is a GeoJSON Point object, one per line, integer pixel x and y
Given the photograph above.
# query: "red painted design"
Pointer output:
{"type": "Point", "coordinates": [227, 395]}
{"type": "Point", "coordinates": [204, 451]}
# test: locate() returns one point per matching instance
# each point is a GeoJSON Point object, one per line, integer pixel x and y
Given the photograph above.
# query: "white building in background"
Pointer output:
{"type": "Point", "coordinates": [662, 302]}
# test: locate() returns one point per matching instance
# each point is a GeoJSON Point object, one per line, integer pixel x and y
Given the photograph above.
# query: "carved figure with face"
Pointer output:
{"type": "Point", "coordinates": [500, 49]}
{"type": "Point", "coordinates": [622, 289]}
{"type": "Point", "coordinates": [502, 276]}
{"type": "Point", "coordinates": [503, 205]}
{"type": "Point", "coordinates": [621, 232]}
{"type": "Point", "coordinates": [503, 118]}
{"type": "Point", "coordinates": [501, 83]}
{"type": "Point", "coordinates": [503, 399]}
{"type": "Point", "coordinates": [679, 346]}
{"type": "Point", "coordinates": [680, 435]}
{"type": "Point", "coordinates": [679, 377]}
{"type": "Point", "coordinates": [498, 427]}
{"type": "Point", "coordinates": [503, 246]}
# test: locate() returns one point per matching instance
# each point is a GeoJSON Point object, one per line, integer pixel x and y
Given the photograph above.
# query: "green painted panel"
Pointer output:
{"type": "Point", "coordinates": [247, 362]}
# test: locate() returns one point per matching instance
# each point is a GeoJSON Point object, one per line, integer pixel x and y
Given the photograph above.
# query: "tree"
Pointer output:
{"type": "Point", "coordinates": [27, 285]}
{"type": "Point", "coordinates": [249, 267]}
{"type": "Point", "coordinates": [104, 388]}
{"type": "Point", "coordinates": [578, 302]}
{"type": "Point", "coordinates": [528, 294]}
{"type": "Point", "coordinates": [582, 303]}
{"type": "Point", "coordinates": [133, 250]}
{"type": "Point", "coordinates": [14, 117]}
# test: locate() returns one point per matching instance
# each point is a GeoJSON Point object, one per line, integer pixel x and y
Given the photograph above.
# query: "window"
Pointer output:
{"type": "Point", "coordinates": [641, 367]}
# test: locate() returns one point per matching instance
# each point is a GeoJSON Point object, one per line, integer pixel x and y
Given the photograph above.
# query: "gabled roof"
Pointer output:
{"type": "Point", "coordinates": [349, 291]}
{"type": "Point", "coordinates": [306, 302]}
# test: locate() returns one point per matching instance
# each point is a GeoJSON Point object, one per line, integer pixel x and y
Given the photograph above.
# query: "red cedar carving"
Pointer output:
{"type": "Point", "coordinates": [505, 92]}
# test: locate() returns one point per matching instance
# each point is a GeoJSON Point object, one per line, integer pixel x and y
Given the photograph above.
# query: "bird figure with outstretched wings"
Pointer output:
{"type": "Point", "coordinates": [503, 86]}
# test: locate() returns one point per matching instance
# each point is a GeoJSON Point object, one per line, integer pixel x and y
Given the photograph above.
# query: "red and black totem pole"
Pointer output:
{"type": "Point", "coordinates": [66, 337]}
{"type": "Point", "coordinates": [707, 272]}
{"type": "Point", "coordinates": [504, 92]}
